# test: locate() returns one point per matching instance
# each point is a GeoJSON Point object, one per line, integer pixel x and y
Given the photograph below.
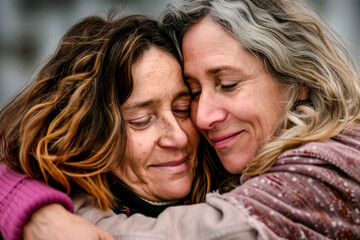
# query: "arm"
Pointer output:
{"type": "Point", "coordinates": [53, 221]}
{"type": "Point", "coordinates": [216, 219]}
{"type": "Point", "coordinates": [308, 193]}
{"type": "Point", "coordinates": [20, 197]}
{"type": "Point", "coordinates": [311, 192]}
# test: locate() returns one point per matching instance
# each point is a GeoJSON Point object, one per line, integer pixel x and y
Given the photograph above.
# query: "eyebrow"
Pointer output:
{"type": "Point", "coordinates": [140, 104]}
{"type": "Point", "coordinates": [183, 93]}
{"type": "Point", "coordinates": [137, 105]}
{"type": "Point", "coordinates": [214, 70]}
{"type": "Point", "coordinates": [218, 69]}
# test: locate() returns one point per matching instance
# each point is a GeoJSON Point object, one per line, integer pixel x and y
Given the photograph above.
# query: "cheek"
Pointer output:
{"type": "Point", "coordinates": [193, 111]}
{"type": "Point", "coordinates": [194, 138]}
{"type": "Point", "coordinates": [271, 117]}
{"type": "Point", "coordinates": [192, 134]}
{"type": "Point", "coordinates": [137, 150]}
{"type": "Point", "coordinates": [189, 128]}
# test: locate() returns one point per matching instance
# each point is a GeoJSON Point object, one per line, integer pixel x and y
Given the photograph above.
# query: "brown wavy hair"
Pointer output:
{"type": "Point", "coordinates": [66, 128]}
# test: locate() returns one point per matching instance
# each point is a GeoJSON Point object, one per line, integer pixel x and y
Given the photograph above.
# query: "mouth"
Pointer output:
{"type": "Point", "coordinates": [174, 167]}
{"type": "Point", "coordinates": [223, 141]}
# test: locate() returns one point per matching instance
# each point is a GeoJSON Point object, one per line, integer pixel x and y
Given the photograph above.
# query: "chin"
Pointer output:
{"type": "Point", "coordinates": [177, 190]}
{"type": "Point", "coordinates": [234, 167]}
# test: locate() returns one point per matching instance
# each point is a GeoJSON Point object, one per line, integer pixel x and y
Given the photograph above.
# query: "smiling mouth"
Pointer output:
{"type": "Point", "coordinates": [173, 167]}
{"type": "Point", "coordinates": [222, 141]}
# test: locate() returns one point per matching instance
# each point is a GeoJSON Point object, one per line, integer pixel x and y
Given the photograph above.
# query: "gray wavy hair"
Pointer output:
{"type": "Point", "coordinates": [296, 47]}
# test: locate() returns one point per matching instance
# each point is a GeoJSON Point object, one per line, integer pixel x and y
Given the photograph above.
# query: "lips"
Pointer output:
{"type": "Point", "coordinates": [174, 167]}
{"type": "Point", "coordinates": [223, 140]}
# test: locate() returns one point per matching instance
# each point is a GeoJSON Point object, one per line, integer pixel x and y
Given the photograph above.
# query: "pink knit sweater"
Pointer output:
{"type": "Point", "coordinates": [19, 197]}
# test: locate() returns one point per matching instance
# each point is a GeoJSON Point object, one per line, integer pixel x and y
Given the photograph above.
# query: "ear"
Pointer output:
{"type": "Point", "coordinates": [304, 93]}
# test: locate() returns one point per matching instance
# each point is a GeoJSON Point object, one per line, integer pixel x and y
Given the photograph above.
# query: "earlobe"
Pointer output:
{"type": "Point", "coordinates": [304, 93]}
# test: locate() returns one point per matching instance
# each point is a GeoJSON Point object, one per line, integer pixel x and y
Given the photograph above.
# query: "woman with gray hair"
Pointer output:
{"type": "Point", "coordinates": [276, 94]}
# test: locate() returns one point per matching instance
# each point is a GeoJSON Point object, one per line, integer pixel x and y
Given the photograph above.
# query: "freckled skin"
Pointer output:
{"type": "Point", "coordinates": [167, 135]}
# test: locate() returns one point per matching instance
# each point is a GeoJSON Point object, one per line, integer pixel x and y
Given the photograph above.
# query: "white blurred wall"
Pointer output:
{"type": "Point", "coordinates": [344, 17]}
{"type": "Point", "coordinates": [31, 29]}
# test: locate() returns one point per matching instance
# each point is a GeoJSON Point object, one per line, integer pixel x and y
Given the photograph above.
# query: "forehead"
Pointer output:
{"type": "Point", "coordinates": [208, 32]}
{"type": "Point", "coordinates": [156, 75]}
{"type": "Point", "coordinates": [207, 46]}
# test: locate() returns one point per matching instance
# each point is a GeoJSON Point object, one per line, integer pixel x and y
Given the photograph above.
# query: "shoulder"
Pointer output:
{"type": "Point", "coordinates": [347, 142]}
{"type": "Point", "coordinates": [308, 188]}
{"type": "Point", "coordinates": [341, 152]}
{"type": "Point", "coordinates": [84, 206]}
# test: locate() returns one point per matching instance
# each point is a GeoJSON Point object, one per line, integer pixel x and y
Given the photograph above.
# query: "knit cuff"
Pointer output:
{"type": "Point", "coordinates": [26, 197]}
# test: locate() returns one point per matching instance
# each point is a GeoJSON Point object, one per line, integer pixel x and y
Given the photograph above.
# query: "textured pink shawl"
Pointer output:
{"type": "Point", "coordinates": [312, 192]}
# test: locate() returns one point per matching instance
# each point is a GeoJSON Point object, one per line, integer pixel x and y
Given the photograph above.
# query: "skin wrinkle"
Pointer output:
{"type": "Point", "coordinates": [158, 128]}
{"type": "Point", "coordinates": [259, 96]}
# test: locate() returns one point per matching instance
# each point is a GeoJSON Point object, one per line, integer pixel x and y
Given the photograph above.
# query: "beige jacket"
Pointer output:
{"type": "Point", "coordinates": [216, 219]}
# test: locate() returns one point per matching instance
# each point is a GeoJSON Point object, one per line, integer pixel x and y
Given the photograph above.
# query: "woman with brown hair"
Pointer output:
{"type": "Point", "coordinates": [108, 116]}
{"type": "Point", "coordinates": [277, 95]}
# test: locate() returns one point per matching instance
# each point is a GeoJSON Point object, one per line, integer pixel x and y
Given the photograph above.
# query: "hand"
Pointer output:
{"type": "Point", "coordinates": [55, 222]}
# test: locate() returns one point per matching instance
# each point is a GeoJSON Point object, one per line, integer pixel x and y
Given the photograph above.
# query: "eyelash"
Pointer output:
{"type": "Point", "coordinates": [182, 113]}
{"type": "Point", "coordinates": [194, 95]}
{"type": "Point", "coordinates": [177, 112]}
{"type": "Point", "coordinates": [194, 92]}
{"type": "Point", "coordinates": [141, 123]}
{"type": "Point", "coordinates": [229, 87]}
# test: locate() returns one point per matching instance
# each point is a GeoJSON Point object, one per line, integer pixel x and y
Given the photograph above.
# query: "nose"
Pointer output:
{"type": "Point", "coordinates": [173, 135]}
{"type": "Point", "coordinates": [208, 110]}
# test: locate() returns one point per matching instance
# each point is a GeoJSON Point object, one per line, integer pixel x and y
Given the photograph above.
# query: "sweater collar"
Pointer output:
{"type": "Point", "coordinates": [129, 203]}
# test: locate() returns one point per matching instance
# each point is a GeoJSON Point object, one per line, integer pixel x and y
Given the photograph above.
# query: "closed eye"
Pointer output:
{"type": "Point", "coordinates": [140, 123]}
{"type": "Point", "coordinates": [229, 87]}
{"type": "Point", "coordinates": [182, 113]}
{"type": "Point", "coordinates": [195, 95]}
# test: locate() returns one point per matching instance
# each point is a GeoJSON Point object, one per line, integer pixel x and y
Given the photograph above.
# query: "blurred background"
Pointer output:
{"type": "Point", "coordinates": [31, 29]}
